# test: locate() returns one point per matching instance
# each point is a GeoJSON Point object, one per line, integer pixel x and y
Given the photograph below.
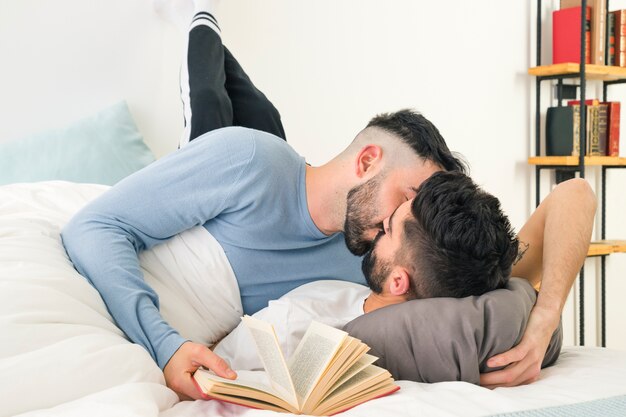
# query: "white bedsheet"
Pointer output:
{"type": "Point", "coordinates": [61, 354]}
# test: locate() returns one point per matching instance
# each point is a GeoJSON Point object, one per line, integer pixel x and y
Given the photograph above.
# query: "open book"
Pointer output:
{"type": "Point", "coordinates": [328, 373]}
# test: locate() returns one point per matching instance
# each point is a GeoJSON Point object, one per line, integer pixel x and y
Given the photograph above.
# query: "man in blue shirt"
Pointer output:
{"type": "Point", "coordinates": [280, 222]}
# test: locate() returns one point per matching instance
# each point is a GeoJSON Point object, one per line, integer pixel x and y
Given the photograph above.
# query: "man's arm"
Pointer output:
{"type": "Point", "coordinates": [182, 190]}
{"type": "Point", "coordinates": [553, 247]}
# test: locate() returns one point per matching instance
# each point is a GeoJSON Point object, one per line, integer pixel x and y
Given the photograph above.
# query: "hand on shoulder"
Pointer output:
{"type": "Point", "coordinates": [523, 362]}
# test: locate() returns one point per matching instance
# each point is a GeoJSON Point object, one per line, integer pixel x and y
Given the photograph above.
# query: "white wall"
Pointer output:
{"type": "Point", "coordinates": [327, 65]}
{"type": "Point", "coordinates": [65, 59]}
{"type": "Point", "coordinates": [330, 66]}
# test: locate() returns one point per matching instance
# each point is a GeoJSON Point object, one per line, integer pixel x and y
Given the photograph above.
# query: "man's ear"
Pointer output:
{"type": "Point", "coordinates": [368, 160]}
{"type": "Point", "coordinates": [399, 282]}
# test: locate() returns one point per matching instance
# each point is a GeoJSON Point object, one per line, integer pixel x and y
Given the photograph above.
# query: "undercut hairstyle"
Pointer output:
{"type": "Point", "coordinates": [457, 242]}
{"type": "Point", "coordinates": [421, 135]}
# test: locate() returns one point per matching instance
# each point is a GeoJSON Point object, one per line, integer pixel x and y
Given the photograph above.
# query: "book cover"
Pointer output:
{"type": "Point", "coordinates": [329, 372]}
{"type": "Point", "coordinates": [613, 128]}
{"type": "Point", "coordinates": [560, 131]}
{"type": "Point", "coordinates": [598, 27]}
{"type": "Point", "coordinates": [566, 35]}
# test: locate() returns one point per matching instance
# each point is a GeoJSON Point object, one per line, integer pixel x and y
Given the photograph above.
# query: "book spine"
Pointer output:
{"type": "Point", "coordinates": [603, 122]}
{"type": "Point", "coordinates": [591, 103]}
{"type": "Point", "coordinates": [599, 31]}
{"type": "Point", "coordinates": [593, 138]}
{"type": "Point", "coordinates": [620, 38]}
{"type": "Point", "coordinates": [576, 146]}
{"type": "Point", "coordinates": [587, 146]}
{"type": "Point", "coordinates": [613, 136]}
{"type": "Point", "coordinates": [611, 40]}
{"type": "Point", "coordinates": [587, 37]}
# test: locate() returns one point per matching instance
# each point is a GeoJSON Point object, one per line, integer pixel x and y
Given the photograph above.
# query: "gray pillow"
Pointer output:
{"type": "Point", "coordinates": [450, 339]}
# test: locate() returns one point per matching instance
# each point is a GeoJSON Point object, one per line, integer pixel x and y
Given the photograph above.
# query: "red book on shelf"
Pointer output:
{"type": "Point", "coordinates": [589, 102]}
{"type": "Point", "coordinates": [620, 37]}
{"type": "Point", "coordinates": [566, 35]}
{"type": "Point", "coordinates": [598, 27]}
{"type": "Point", "coordinates": [612, 148]}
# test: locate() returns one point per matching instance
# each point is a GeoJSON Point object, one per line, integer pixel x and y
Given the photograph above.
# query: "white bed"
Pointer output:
{"type": "Point", "coordinates": [61, 354]}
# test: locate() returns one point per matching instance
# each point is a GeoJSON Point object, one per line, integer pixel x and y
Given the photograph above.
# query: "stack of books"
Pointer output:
{"type": "Point", "coordinates": [602, 46]}
{"type": "Point", "coordinates": [602, 129]}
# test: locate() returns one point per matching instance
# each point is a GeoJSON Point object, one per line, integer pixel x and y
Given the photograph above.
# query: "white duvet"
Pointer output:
{"type": "Point", "coordinates": [61, 354]}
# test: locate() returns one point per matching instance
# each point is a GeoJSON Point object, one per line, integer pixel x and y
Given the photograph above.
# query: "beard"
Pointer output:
{"type": "Point", "coordinates": [375, 270]}
{"type": "Point", "coordinates": [361, 208]}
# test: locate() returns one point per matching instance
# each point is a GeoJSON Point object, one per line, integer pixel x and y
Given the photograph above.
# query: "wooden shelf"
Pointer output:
{"type": "Point", "coordinates": [592, 72]}
{"type": "Point", "coordinates": [573, 160]}
{"type": "Point", "coordinates": [606, 247]}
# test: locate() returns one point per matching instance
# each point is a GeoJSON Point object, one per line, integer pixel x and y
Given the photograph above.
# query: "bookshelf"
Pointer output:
{"type": "Point", "coordinates": [592, 72]}
{"type": "Point", "coordinates": [558, 161]}
{"type": "Point", "coordinates": [566, 167]}
{"type": "Point", "coordinates": [606, 247]}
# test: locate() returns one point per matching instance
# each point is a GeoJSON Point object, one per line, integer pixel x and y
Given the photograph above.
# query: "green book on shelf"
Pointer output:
{"type": "Point", "coordinates": [559, 131]}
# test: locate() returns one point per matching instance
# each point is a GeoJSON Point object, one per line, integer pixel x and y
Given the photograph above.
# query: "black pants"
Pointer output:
{"type": "Point", "coordinates": [218, 93]}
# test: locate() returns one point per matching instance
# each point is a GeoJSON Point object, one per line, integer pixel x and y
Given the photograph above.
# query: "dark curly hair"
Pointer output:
{"type": "Point", "coordinates": [457, 242]}
{"type": "Point", "coordinates": [421, 135]}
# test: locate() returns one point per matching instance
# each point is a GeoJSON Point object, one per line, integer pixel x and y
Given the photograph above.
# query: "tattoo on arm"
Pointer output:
{"type": "Point", "coordinates": [521, 250]}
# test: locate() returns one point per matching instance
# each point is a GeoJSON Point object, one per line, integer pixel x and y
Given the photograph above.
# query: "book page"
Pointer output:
{"type": "Point", "coordinates": [272, 357]}
{"type": "Point", "coordinates": [350, 367]}
{"type": "Point", "coordinates": [369, 372]}
{"type": "Point", "coordinates": [349, 352]}
{"type": "Point", "coordinates": [361, 381]}
{"type": "Point", "coordinates": [368, 383]}
{"type": "Point", "coordinates": [356, 350]}
{"type": "Point", "coordinates": [338, 404]}
{"type": "Point", "coordinates": [251, 388]}
{"type": "Point", "coordinates": [312, 356]}
{"type": "Point", "coordinates": [257, 380]}
{"type": "Point", "coordinates": [361, 364]}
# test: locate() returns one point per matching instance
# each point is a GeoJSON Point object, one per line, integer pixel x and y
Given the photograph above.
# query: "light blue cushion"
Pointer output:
{"type": "Point", "coordinates": [101, 149]}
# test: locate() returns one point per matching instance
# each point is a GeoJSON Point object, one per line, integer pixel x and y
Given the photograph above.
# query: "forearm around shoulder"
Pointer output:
{"type": "Point", "coordinates": [560, 226]}
{"type": "Point", "coordinates": [568, 230]}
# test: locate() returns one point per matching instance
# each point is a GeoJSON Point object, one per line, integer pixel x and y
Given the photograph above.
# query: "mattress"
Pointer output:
{"type": "Point", "coordinates": [62, 354]}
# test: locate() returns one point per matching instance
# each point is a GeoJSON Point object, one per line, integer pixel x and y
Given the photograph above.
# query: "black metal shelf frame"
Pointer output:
{"type": "Point", "coordinates": [565, 172]}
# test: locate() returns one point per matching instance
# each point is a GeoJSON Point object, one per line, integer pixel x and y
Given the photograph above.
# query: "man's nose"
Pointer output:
{"type": "Point", "coordinates": [386, 225]}
{"type": "Point", "coordinates": [371, 234]}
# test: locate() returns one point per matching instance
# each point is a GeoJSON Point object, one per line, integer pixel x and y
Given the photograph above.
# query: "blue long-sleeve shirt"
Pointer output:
{"type": "Point", "coordinates": [247, 188]}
